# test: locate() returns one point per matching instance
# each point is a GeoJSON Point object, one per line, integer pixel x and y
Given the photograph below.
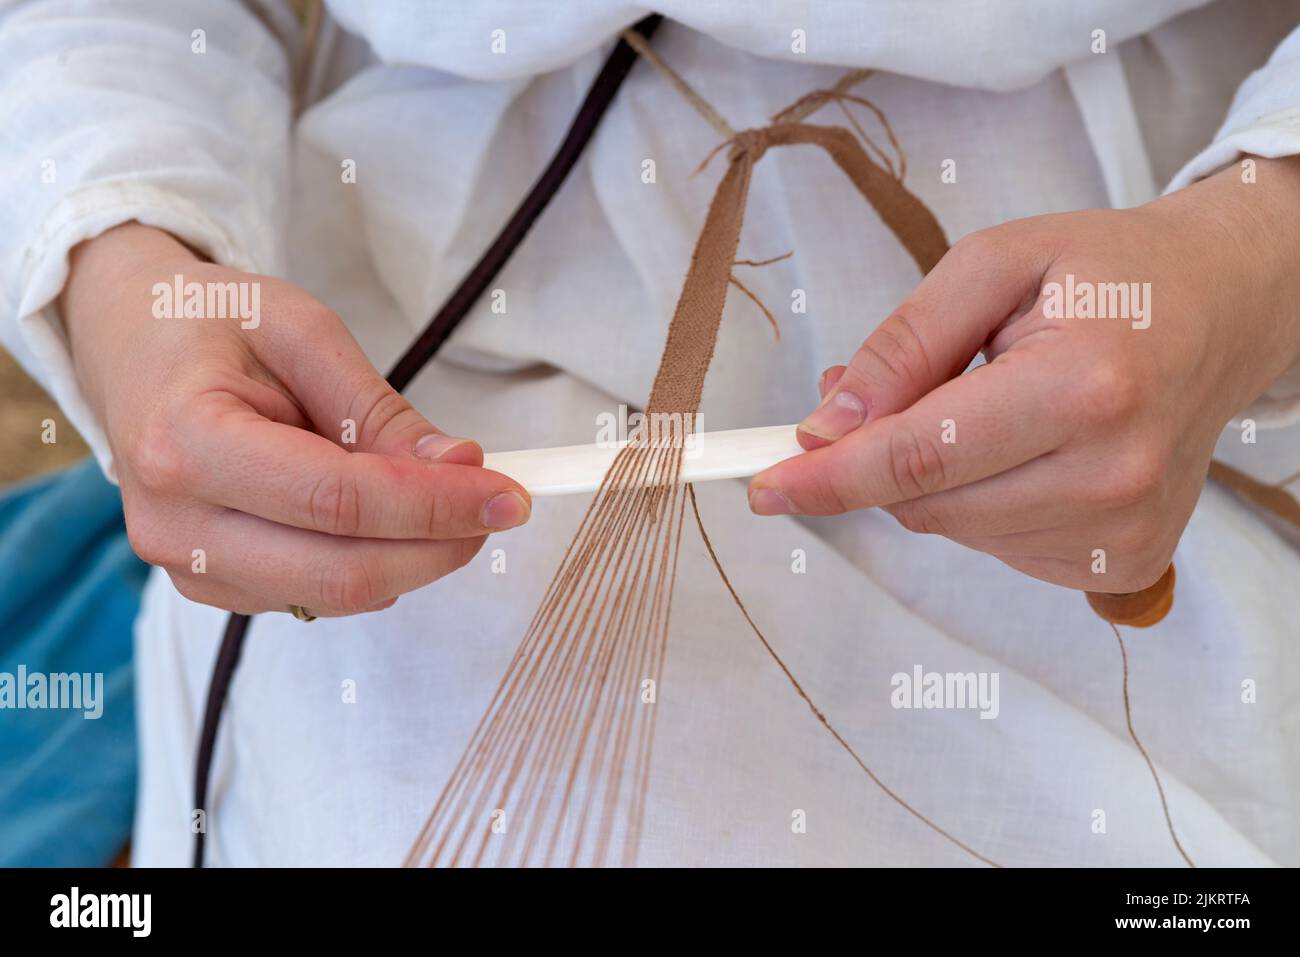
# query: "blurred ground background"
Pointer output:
{"type": "Point", "coordinates": [23, 406]}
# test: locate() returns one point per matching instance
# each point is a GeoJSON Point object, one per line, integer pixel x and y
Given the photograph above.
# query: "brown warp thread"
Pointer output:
{"type": "Point", "coordinates": [817, 712]}
{"type": "Point", "coordinates": [1128, 719]}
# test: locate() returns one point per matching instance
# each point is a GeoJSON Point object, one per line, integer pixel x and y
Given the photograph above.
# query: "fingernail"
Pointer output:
{"type": "Point", "coordinates": [769, 501]}
{"type": "Point", "coordinates": [838, 415]}
{"type": "Point", "coordinates": [434, 447]}
{"type": "Point", "coordinates": [505, 510]}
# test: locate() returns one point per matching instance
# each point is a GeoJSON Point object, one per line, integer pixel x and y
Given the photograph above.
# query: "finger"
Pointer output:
{"type": "Point", "coordinates": [349, 402]}
{"type": "Point", "coordinates": [1067, 544]}
{"type": "Point", "coordinates": [1124, 551]}
{"type": "Point", "coordinates": [1052, 491]}
{"type": "Point", "coordinates": [326, 613]}
{"type": "Point", "coordinates": [1043, 493]}
{"type": "Point", "coordinates": [1121, 552]}
{"type": "Point", "coordinates": [325, 574]}
{"type": "Point", "coordinates": [1054, 570]}
{"type": "Point", "coordinates": [197, 589]}
{"type": "Point", "coordinates": [1079, 575]}
{"type": "Point", "coordinates": [982, 281]}
{"type": "Point", "coordinates": [205, 591]}
{"type": "Point", "coordinates": [236, 458]}
{"type": "Point", "coordinates": [971, 428]}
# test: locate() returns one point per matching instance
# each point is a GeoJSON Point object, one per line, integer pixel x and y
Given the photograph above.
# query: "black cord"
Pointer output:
{"type": "Point", "coordinates": [232, 646]}
{"type": "Point", "coordinates": [439, 329]}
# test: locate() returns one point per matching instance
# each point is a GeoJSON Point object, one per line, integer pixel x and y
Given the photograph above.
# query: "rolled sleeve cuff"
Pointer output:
{"type": "Point", "coordinates": [84, 214]}
{"type": "Point", "coordinates": [1271, 136]}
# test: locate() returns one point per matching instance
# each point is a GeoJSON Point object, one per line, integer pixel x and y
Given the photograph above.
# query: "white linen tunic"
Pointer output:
{"type": "Point", "coordinates": [445, 136]}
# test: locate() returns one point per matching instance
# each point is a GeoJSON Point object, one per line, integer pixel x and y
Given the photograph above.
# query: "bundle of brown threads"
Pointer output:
{"type": "Point", "coordinates": [569, 718]}
{"type": "Point", "coordinates": [556, 771]}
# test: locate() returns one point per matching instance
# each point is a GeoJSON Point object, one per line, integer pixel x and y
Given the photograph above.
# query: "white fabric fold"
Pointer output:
{"type": "Point", "coordinates": [1264, 121]}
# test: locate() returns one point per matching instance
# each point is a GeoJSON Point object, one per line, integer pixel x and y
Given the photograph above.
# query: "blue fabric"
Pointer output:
{"type": "Point", "coordinates": [69, 593]}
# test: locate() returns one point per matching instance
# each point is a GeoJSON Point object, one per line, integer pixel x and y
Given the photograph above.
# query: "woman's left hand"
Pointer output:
{"type": "Point", "coordinates": [1080, 433]}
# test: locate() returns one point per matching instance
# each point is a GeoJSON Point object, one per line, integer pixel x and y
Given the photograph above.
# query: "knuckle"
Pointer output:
{"type": "Point", "coordinates": [895, 352]}
{"type": "Point", "coordinates": [830, 489]}
{"type": "Point", "coordinates": [1158, 550]}
{"type": "Point", "coordinates": [352, 585]}
{"type": "Point", "coordinates": [467, 548]}
{"type": "Point", "coordinates": [877, 364]}
{"type": "Point", "coordinates": [917, 516]}
{"type": "Point", "coordinates": [1147, 572]}
{"type": "Point", "coordinates": [157, 459]}
{"type": "Point", "coordinates": [1136, 476]}
{"type": "Point", "coordinates": [1133, 543]}
{"type": "Point", "coordinates": [916, 464]}
{"type": "Point", "coordinates": [334, 504]}
{"type": "Point", "coordinates": [978, 245]}
{"type": "Point", "coordinates": [295, 305]}
{"type": "Point", "coordinates": [1098, 495]}
{"type": "Point", "coordinates": [837, 493]}
{"type": "Point", "coordinates": [382, 407]}
{"type": "Point", "coordinates": [1142, 551]}
{"type": "Point", "coordinates": [146, 545]}
{"type": "Point", "coordinates": [146, 539]}
{"type": "Point", "coordinates": [186, 587]}
{"type": "Point", "coordinates": [310, 309]}
{"type": "Point", "coordinates": [1110, 390]}
{"type": "Point", "coordinates": [441, 513]}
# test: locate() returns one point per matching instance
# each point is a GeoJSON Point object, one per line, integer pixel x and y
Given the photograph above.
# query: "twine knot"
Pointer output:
{"type": "Point", "coordinates": [753, 143]}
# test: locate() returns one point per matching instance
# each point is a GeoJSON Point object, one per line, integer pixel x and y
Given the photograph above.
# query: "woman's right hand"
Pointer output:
{"type": "Point", "coordinates": [267, 464]}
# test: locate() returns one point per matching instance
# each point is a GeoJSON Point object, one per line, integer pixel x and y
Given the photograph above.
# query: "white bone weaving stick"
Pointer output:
{"type": "Point", "coordinates": [569, 469]}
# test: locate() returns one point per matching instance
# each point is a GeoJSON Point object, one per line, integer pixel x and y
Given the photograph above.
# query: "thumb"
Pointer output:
{"type": "Point", "coordinates": [351, 404]}
{"type": "Point", "coordinates": [986, 278]}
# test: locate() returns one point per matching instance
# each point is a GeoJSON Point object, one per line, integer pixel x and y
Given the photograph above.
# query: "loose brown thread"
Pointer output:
{"type": "Point", "coordinates": [771, 319]}
{"type": "Point", "coordinates": [817, 712]}
{"type": "Point", "coordinates": [825, 722]}
{"type": "Point", "coordinates": [1137, 743]}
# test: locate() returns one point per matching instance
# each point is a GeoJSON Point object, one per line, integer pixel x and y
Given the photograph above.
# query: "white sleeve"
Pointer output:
{"type": "Point", "coordinates": [1264, 120]}
{"type": "Point", "coordinates": [175, 113]}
